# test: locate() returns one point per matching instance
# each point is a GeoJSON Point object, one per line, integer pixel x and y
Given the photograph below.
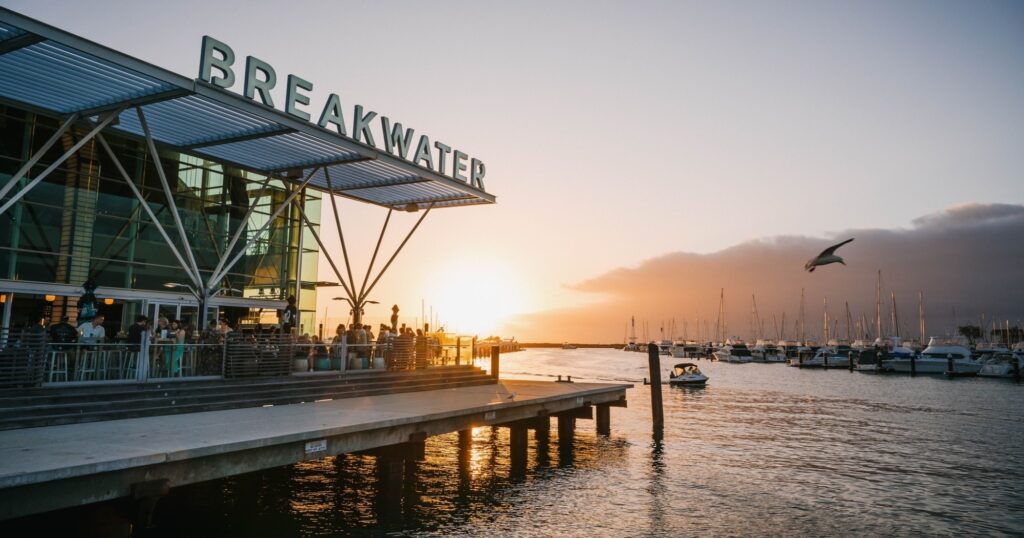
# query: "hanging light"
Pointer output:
{"type": "Point", "coordinates": [3, 298]}
{"type": "Point", "coordinates": [51, 298]}
{"type": "Point", "coordinates": [108, 301]}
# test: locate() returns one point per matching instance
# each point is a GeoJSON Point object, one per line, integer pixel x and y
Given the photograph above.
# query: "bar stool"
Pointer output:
{"type": "Point", "coordinates": [112, 361]}
{"type": "Point", "coordinates": [188, 362]}
{"type": "Point", "coordinates": [87, 365]}
{"type": "Point", "coordinates": [58, 365]}
{"type": "Point", "coordinates": [131, 365]}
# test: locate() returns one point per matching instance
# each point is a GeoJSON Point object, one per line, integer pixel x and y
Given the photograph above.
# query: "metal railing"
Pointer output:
{"type": "Point", "coordinates": [392, 354]}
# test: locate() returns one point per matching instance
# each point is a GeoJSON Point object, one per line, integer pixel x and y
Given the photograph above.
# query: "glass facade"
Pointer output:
{"type": "Point", "coordinates": [83, 221]}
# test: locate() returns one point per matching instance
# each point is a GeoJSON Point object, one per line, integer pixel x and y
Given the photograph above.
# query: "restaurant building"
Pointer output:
{"type": "Point", "coordinates": [181, 198]}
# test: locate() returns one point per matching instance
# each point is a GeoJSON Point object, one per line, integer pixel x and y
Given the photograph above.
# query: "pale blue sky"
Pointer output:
{"type": "Point", "coordinates": [618, 131]}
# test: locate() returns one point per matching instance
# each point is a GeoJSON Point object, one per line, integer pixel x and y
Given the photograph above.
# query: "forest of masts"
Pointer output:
{"type": "Point", "coordinates": [881, 324]}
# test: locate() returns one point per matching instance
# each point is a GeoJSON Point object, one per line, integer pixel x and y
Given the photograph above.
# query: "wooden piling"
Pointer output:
{"type": "Point", "coordinates": [566, 430]}
{"type": "Point", "coordinates": [913, 365]}
{"type": "Point", "coordinates": [518, 436]}
{"type": "Point", "coordinates": [495, 360]}
{"type": "Point", "coordinates": [458, 351]}
{"type": "Point", "coordinates": [1016, 369]}
{"type": "Point", "coordinates": [654, 364]}
{"type": "Point", "coordinates": [604, 425]}
{"type": "Point", "coordinates": [849, 357]}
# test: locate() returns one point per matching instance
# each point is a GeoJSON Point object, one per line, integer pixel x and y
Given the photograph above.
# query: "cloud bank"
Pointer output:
{"type": "Point", "coordinates": [967, 260]}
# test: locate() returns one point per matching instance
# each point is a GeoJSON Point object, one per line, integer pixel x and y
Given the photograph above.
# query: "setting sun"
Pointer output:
{"type": "Point", "coordinates": [476, 297]}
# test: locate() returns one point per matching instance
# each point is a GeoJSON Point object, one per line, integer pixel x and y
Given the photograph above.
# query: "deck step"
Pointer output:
{"type": "Point", "coordinates": [53, 406]}
{"type": "Point", "coordinates": [117, 392]}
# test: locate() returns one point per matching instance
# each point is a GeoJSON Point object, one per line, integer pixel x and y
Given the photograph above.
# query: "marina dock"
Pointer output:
{"type": "Point", "coordinates": [54, 467]}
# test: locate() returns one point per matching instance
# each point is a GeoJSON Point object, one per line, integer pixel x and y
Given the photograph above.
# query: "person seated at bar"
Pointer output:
{"type": "Point", "coordinates": [92, 331]}
{"type": "Point", "coordinates": [63, 333]}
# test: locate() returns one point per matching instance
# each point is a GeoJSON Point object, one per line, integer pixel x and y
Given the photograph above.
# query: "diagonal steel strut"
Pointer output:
{"type": "Point", "coordinates": [323, 249]}
{"type": "Point", "coordinates": [399, 249]}
{"type": "Point", "coordinates": [216, 277]}
{"type": "Point", "coordinates": [167, 191]}
{"type": "Point", "coordinates": [145, 206]}
{"type": "Point", "coordinates": [53, 166]}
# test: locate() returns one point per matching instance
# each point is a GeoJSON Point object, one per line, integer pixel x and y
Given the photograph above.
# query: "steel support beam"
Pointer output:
{"type": "Point", "coordinates": [35, 181]}
{"type": "Point", "coordinates": [216, 277]}
{"type": "Point", "coordinates": [341, 236]}
{"type": "Point", "coordinates": [197, 277]}
{"type": "Point", "coordinates": [374, 257]}
{"type": "Point", "coordinates": [145, 207]}
{"type": "Point", "coordinates": [38, 155]}
{"type": "Point", "coordinates": [238, 232]}
{"type": "Point", "coordinates": [324, 251]}
{"type": "Point", "coordinates": [399, 249]}
{"type": "Point", "coordinates": [20, 42]}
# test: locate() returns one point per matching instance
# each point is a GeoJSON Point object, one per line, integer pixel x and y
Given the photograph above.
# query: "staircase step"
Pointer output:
{"type": "Point", "coordinates": [129, 412]}
{"type": "Point", "coordinates": [112, 392]}
{"type": "Point", "coordinates": [305, 393]}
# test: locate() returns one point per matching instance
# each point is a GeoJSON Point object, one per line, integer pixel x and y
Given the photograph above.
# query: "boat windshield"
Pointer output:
{"type": "Point", "coordinates": [740, 352]}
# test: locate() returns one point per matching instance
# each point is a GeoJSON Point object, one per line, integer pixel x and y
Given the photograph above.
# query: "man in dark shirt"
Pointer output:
{"type": "Point", "coordinates": [137, 331]}
{"type": "Point", "coordinates": [63, 332]}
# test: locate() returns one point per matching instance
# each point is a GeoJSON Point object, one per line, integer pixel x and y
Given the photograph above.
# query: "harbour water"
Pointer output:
{"type": "Point", "coordinates": [764, 449]}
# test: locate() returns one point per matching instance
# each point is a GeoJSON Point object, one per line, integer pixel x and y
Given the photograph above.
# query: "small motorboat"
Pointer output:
{"type": "Point", "coordinates": [687, 373]}
{"type": "Point", "coordinates": [567, 345]}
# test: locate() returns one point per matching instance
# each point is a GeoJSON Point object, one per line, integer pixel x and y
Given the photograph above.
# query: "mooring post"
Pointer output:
{"type": "Point", "coordinates": [849, 357]}
{"type": "Point", "coordinates": [913, 365]}
{"type": "Point", "coordinates": [458, 351]}
{"type": "Point", "coordinates": [949, 366]}
{"type": "Point", "coordinates": [518, 436]}
{"type": "Point", "coordinates": [1016, 369]}
{"type": "Point", "coordinates": [604, 423]}
{"type": "Point", "coordinates": [654, 363]}
{"type": "Point", "coordinates": [824, 360]}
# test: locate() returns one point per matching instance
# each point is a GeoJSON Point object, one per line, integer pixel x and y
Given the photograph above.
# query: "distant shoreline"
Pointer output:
{"type": "Point", "coordinates": [581, 346]}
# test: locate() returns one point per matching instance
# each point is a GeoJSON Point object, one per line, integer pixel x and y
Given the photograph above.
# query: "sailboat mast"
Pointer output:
{"type": "Point", "coordinates": [920, 317]}
{"type": "Point", "coordinates": [803, 325]}
{"type": "Point", "coordinates": [878, 307]}
{"type": "Point", "coordinates": [895, 319]}
{"type": "Point", "coordinates": [849, 321]}
{"type": "Point", "coordinates": [824, 325]}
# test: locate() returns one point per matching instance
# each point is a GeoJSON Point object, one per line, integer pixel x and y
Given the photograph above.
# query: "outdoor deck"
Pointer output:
{"type": "Point", "coordinates": [53, 467]}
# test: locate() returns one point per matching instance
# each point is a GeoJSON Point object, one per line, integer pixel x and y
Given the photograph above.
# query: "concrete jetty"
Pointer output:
{"type": "Point", "coordinates": [54, 467]}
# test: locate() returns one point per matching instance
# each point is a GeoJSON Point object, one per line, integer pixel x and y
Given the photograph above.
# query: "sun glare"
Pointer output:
{"type": "Point", "coordinates": [477, 298]}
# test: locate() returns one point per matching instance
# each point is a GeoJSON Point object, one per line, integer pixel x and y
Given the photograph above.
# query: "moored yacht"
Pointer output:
{"type": "Point", "coordinates": [765, 351]}
{"type": "Point", "coordinates": [1003, 364]}
{"type": "Point", "coordinates": [686, 350]}
{"type": "Point", "coordinates": [937, 358]}
{"type": "Point", "coordinates": [734, 351]}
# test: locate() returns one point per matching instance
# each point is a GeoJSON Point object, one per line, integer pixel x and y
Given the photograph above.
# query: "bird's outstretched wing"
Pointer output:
{"type": "Point", "coordinates": [832, 250]}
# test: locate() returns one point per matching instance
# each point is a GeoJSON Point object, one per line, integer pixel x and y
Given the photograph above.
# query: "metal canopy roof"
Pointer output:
{"type": "Point", "coordinates": [56, 73]}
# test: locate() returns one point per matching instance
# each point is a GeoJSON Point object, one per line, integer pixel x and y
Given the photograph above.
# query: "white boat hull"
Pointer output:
{"type": "Point", "coordinates": [933, 366]}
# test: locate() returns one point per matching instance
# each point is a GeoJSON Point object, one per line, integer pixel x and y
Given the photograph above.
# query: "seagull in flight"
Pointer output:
{"type": "Point", "coordinates": [826, 257]}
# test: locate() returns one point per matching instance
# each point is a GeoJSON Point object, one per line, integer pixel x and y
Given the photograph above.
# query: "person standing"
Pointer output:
{"type": "Point", "coordinates": [289, 316]}
{"type": "Point", "coordinates": [137, 332]}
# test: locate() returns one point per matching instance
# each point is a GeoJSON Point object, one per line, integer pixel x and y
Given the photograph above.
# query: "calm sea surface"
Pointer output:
{"type": "Point", "coordinates": [764, 449]}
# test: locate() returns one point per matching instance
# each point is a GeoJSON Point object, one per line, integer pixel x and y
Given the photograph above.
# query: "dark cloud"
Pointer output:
{"type": "Point", "coordinates": [969, 258]}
